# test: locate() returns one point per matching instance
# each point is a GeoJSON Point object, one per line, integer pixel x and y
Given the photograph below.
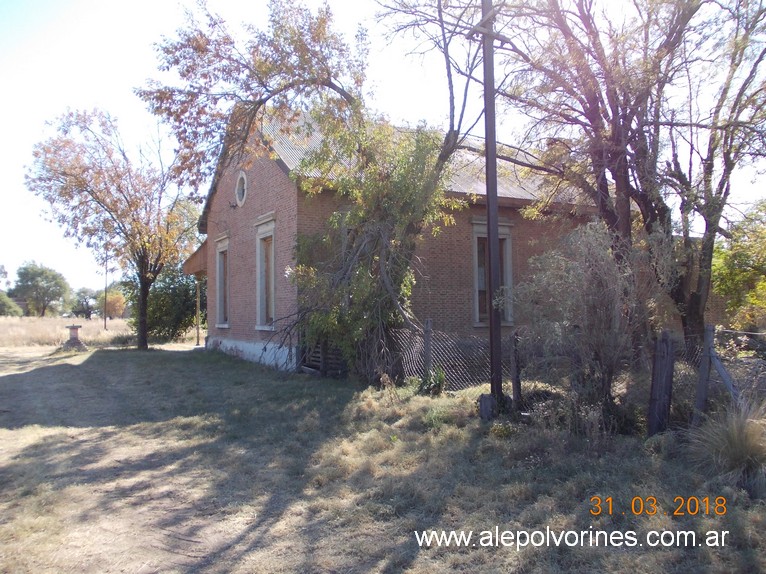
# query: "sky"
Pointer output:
{"type": "Point", "coordinates": [83, 54]}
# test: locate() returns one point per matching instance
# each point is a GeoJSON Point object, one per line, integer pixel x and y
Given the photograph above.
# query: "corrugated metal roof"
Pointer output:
{"type": "Point", "coordinates": [294, 143]}
{"type": "Point", "coordinates": [468, 175]}
{"type": "Point", "coordinates": [196, 264]}
{"type": "Point", "coordinates": [467, 167]}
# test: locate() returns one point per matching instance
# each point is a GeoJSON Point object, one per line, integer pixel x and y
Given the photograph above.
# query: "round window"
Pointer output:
{"type": "Point", "coordinates": [241, 189]}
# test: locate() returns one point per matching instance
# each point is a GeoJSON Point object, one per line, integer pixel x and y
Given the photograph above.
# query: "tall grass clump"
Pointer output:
{"type": "Point", "coordinates": [732, 445]}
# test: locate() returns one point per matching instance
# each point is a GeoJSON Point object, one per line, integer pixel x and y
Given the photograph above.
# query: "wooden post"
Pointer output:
{"type": "Point", "coordinates": [725, 377]}
{"type": "Point", "coordinates": [428, 332]}
{"type": "Point", "coordinates": [700, 402]}
{"type": "Point", "coordinates": [662, 385]}
{"type": "Point", "coordinates": [493, 233]}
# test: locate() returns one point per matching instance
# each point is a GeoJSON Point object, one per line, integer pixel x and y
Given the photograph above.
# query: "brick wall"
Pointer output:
{"type": "Point", "coordinates": [445, 265]}
{"type": "Point", "coordinates": [269, 190]}
{"type": "Point", "coordinates": [315, 210]}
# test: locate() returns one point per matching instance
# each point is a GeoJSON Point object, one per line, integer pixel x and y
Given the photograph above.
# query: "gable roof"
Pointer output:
{"type": "Point", "coordinates": [289, 147]}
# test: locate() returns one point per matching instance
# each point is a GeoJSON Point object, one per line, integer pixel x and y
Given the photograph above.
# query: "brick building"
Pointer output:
{"type": "Point", "coordinates": [255, 211]}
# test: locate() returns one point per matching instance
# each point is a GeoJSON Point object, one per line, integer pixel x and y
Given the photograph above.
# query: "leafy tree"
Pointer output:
{"type": "Point", "coordinates": [298, 61]}
{"type": "Point", "coordinates": [355, 281]}
{"type": "Point", "coordinates": [646, 108]}
{"type": "Point", "coordinates": [8, 307]}
{"type": "Point", "coordinates": [84, 303]}
{"type": "Point", "coordinates": [739, 269]}
{"type": "Point", "coordinates": [116, 302]}
{"type": "Point", "coordinates": [41, 287]}
{"type": "Point", "coordinates": [300, 68]}
{"type": "Point", "coordinates": [121, 207]}
{"type": "Point", "coordinates": [172, 303]}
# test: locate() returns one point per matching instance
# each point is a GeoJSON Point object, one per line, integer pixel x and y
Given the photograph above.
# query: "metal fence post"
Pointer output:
{"type": "Point", "coordinates": [427, 354]}
{"type": "Point", "coordinates": [515, 370]}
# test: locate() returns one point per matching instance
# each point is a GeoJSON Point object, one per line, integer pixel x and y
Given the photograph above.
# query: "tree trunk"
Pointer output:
{"type": "Point", "coordinates": [692, 300]}
{"type": "Point", "coordinates": [693, 323]}
{"type": "Point", "coordinates": [144, 283]}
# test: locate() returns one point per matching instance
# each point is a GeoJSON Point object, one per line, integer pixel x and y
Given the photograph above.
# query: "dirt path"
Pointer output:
{"type": "Point", "coordinates": [82, 491]}
{"type": "Point", "coordinates": [123, 469]}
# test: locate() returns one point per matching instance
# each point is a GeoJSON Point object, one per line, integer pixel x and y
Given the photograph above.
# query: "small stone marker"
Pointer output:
{"type": "Point", "coordinates": [74, 343]}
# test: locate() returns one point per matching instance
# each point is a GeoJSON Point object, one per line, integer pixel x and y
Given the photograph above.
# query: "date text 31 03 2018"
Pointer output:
{"type": "Point", "coordinates": [649, 506]}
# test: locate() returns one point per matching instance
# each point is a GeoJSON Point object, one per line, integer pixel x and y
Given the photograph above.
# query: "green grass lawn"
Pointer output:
{"type": "Point", "coordinates": [162, 461]}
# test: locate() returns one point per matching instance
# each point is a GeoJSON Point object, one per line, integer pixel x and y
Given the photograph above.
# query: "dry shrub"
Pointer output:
{"type": "Point", "coordinates": [582, 307]}
{"type": "Point", "coordinates": [732, 445]}
{"type": "Point", "coordinates": [449, 412]}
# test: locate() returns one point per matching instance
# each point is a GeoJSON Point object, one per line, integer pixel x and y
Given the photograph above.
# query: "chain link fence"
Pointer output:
{"type": "Point", "coordinates": [740, 355]}
{"type": "Point", "coordinates": [743, 356]}
{"type": "Point", "coordinates": [728, 366]}
{"type": "Point", "coordinates": [463, 359]}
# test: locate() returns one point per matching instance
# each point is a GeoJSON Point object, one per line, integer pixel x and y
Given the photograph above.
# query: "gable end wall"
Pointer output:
{"type": "Point", "coordinates": [270, 192]}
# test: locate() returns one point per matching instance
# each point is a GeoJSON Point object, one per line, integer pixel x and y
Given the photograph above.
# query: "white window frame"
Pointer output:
{"type": "Point", "coordinates": [265, 227]}
{"type": "Point", "coordinates": [222, 284]}
{"type": "Point", "coordinates": [504, 232]}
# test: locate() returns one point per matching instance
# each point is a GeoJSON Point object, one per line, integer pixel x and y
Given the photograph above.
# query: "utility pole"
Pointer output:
{"type": "Point", "coordinates": [485, 27]}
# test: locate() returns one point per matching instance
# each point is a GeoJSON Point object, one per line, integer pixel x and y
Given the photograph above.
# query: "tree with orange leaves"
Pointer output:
{"type": "Point", "coordinates": [123, 208]}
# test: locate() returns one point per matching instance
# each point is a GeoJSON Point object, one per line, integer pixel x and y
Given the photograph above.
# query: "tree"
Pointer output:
{"type": "Point", "coordinates": [84, 302]}
{"type": "Point", "coordinates": [115, 302]}
{"type": "Point", "coordinates": [646, 108]}
{"type": "Point", "coordinates": [299, 61]}
{"type": "Point", "coordinates": [739, 269]}
{"type": "Point", "coordinates": [172, 303]}
{"type": "Point", "coordinates": [711, 138]}
{"type": "Point", "coordinates": [299, 68]}
{"type": "Point", "coordinates": [41, 287]}
{"type": "Point", "coordinates": [355, 281]}
{"type": "Point", "coordinates": [8, 308]}
{"type": "Point", "coordinates": [129, 209]}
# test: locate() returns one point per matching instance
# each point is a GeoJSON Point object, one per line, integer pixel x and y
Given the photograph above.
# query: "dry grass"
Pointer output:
{"type": "Point", "coordinates": [52, 331]}
{"type": "Point", "coordinates": [732, 445]}
{"type": "Point", "coordinates": [195, 462]}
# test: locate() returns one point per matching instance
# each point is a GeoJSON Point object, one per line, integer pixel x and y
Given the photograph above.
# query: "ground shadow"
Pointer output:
{"type": "Point", "coordinates": [201, 463]}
